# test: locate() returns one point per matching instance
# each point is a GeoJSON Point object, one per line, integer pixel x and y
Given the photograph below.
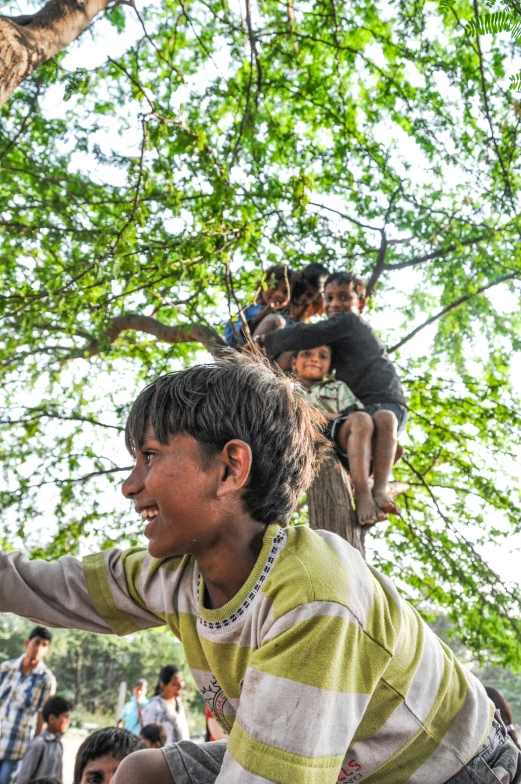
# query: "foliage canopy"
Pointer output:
{"type": "Point", "coordinates": [220, 137]}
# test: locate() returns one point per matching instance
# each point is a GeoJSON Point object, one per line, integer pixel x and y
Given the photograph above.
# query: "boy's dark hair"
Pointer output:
{"type": "Point", "coordinates": [55, 706]}
{"type": "Point", "coordinates": [166, 674]}
{"type": "Point", "coordinates": [278, 272]}
{"type": "Point", "coordinates": [45, 780]}
{"type": "Point", "coordinates": [501, 704]}
{"type": "Point", "coordinates": [346, 279]}
{"type": "Point", "coordinates": [315, 274]}
{"type": "Point", "coordinates": [154, 733]}
{"type": "Point", "coordinates": [239, 397]}
{"type": "Point", "coordinates": [41, 632]}
{"type": "Point", "coordinates": [140, 682]}
{"type": "Point", "coordinates": [111, 741]}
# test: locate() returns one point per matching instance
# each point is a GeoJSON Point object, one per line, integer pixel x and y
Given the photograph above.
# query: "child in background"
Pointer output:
{"type": "Point", "coordinates": [44, 754]}
{"type": "Point", "coordinates": [267, 313]}
{"type": "Point", "coordinates": [153, 736]}
{"type": "Point", "coordinates": [131, 713]}
{"type": "Point", "coordinates": [166, 707]}
{"type": "Point", "coordinates": [100, 755]}
{"type": "Point", "coordinates": [361, 361]}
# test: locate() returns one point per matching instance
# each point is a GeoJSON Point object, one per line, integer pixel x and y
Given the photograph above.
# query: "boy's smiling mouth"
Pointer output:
{"type": "Point", "coordinates": [149, 513]}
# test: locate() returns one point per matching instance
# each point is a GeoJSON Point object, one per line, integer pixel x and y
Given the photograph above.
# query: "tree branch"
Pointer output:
{"type": "Point", "coordinates": [379, 267]}
{"type": "Point", "coordinates": [452, 306]}
{"type": "Point", "coordinates": [28, 41]}
{"type": "Point", "coordinates": [180, 333]}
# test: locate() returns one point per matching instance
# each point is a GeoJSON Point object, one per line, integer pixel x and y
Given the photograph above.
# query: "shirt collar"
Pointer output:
{"type": "Point", "coordinates": [38, 670]}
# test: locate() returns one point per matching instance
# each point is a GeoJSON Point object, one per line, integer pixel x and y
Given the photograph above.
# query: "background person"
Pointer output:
{"type": "Point", "coordinates": [26, 684]}
{"type": "Point", "coordinates": [153, 736]}
{"type": "Point", "coordinates": [44, 754]}
{"type": "Point", "coordinates": [166, 708]}
{"type": "Point", "coordinates": [132, 711]}
{"type": "Point", "coordinates": [100, 754]}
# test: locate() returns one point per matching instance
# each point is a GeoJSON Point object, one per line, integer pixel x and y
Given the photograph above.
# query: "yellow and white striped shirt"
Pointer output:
{"type": "Point", "coordinates": [317, 668]}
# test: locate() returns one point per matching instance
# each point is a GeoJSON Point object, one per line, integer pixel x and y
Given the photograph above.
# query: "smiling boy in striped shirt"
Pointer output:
{"type": "Point", "coordinates": [306, 655]}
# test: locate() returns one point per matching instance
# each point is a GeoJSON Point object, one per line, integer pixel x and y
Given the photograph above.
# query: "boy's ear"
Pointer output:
{"type": "Point", "coordinates": [362, 303]}
{"type": "Point", "coordinates": [235, 461]}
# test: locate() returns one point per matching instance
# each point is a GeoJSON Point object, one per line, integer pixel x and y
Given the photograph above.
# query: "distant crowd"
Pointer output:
{"type": "Point", "coordinates": [33, 720]}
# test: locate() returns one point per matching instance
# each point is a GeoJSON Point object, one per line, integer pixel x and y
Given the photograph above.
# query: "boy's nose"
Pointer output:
{"type": "Point", "coordinates": [134, 483]}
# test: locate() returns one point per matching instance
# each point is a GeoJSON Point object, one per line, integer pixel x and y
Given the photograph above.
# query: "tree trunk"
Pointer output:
{"type": "Point", "coordinates": [28, 41]}
{"type": "Point", "coordinates": [330, 504]}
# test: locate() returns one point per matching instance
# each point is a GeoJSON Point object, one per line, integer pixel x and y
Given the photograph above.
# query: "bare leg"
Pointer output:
{"type": "Point", "coordinates": [385, 424]}
{"type": "Point", "coordinates": [141, 766]}
{"type": "Point", "coordinates": [355, 438]}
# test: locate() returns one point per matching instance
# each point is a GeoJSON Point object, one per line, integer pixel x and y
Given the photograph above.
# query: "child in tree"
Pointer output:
{"type": "Point", "coordinates": [307, 293]}
{"type": "Point", "coordinates": [44, 754]}
{"type": "Point", "coordinates": [303, 653]}
{"type": "Point", "coordinates": [361, 361]}
{"type": "Point", "coordinates": [349, 428]}
{"type": "Point", "coordinates": [267, 313]}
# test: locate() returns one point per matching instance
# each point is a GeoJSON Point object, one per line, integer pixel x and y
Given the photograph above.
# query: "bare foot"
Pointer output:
{"type": "Point", "coordinates": [384, 503]}
{"type": "Point", "coordinates": [367, 511]}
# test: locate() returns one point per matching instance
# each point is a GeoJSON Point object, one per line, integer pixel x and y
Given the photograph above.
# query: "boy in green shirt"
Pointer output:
{"type": "Point", "coordinates": [305, 655]}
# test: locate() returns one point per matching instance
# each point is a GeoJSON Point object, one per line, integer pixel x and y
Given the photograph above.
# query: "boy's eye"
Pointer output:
{"type": "Point", "coordinates": [148, 456]}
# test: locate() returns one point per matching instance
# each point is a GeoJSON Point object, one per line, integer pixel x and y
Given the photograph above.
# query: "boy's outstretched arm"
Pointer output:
{"type": "Point", "coordinates": [301, 336]}
{"type": "Point", "coordinates": [92, 596]}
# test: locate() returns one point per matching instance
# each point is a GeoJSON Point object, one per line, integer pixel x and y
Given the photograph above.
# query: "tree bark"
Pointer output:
{"type": "Point", "coordinates": [179, 333]}
{"type": "Point", "coordinates": [330, 504]}
{"type": "Point", "coordinates": [28, 41]}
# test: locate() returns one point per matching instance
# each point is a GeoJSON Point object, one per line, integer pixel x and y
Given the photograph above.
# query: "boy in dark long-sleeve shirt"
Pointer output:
{"type": "Point", "coordinates": [43, 757]}
{"type": "Point", "coordinates": [361, 361]}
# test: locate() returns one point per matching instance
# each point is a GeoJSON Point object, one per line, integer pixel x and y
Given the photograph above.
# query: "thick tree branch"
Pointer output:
{"type": "Point", "coordinates": [28, 41]}
{"type": "Point", "coordinates": [379, 267]}
{"type": "Point", "coordinates": [452, 306]}
{"type": "Point", "coordinates": [180, 333]}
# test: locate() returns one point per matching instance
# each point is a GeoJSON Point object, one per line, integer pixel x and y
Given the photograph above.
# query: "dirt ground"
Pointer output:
{"type": "Point", "coordinates": [72, 740]}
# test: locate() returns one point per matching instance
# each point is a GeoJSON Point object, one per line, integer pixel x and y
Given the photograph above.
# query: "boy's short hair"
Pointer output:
{"type": "Point", "coordinates": [239, 397]}
{"type": "Point", "coordinates": [45, 780]}
{"type": "Point", "coordinates": [41, 632]}
{"type": "Point", "coordinates": [346, 279]}
{"type": "Point", "coordinates": [111, 741]}
{"type": "Point", "coordinates": [278, 272]}
{"type": "Point", "coordinates": [141, 682]}
{"type": "Point", "coordinates": [55, 706]}
{"type": "Point", "coordinates": [154, 733]}
{"type": "Point", "coordinates": [315, 273]}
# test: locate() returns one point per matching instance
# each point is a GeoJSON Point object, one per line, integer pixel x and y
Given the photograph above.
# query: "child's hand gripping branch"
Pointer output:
{"type": "Point", "coordinates": [360, 361]}
{"type": "Point", "coordinates": [305, 655]}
